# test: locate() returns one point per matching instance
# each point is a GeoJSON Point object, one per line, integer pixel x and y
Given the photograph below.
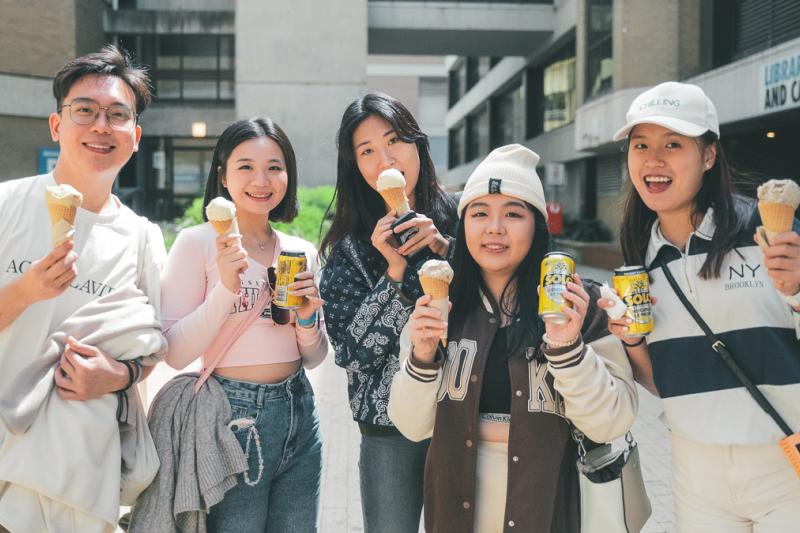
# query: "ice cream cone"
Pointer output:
{"type": "Point", "coordinates": [395, 198]}
{"type": "Point", "coordinates": [435, 277]}
{"type": "Point", "coordinates": [221, 226]}
{"type": "Point", "coordinates": [62, 205]}
{"type": "Point", "coordinates": [391, 185]}
{"type": "Point", "coordinates": [777, 203]}
{"type": "Point", "coordinates": [221, 214]}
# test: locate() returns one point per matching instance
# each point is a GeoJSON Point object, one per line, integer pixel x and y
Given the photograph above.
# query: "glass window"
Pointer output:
{"type": "Point", "coordinates": [478, 134]}
{"type": "Point", "coordinates": [187, 67]}
{"type": "Point", "coordinates": [169, 52]}
{"type": "Point", "coordinates": [189, 171]}
{"type": "Point", "coordinates": [599, 57]}
{"type": "Point", "coordinates": [200, 52]}
{"type": "Point", "coordinates": [508, 118]}
{"type": "Point", "coordinates": [456, 152]}
{"type": "Point", "coordinates": [559, 93]}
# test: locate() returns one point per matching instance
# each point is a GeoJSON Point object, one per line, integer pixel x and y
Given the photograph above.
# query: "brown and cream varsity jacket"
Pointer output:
{"type": "Point", "coordinates": [590, 384]}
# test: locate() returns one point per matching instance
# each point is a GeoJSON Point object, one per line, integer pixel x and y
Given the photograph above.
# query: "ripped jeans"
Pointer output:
{"type": "Point", "coordinates": [280, 490]}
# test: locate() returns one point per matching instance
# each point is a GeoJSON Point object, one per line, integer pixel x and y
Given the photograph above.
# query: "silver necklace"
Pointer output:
{"type": "Point", "coordinates": [261, 245]}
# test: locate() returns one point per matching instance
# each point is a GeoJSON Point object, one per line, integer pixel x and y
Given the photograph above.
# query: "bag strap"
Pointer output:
{"type": "Point", "coordinates": [221, 344]}
{"type": "Point", "coordinates": [718, 346]}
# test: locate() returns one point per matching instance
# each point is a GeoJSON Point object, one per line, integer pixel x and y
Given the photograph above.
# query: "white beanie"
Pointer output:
{"type": "Point", "coordinates": [509, 170]}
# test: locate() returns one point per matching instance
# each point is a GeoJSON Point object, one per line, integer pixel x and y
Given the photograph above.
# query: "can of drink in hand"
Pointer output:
{"type": "Point", "coordinates": [633, 286]}
{"type": "Point", "coordinates": [290, 264]}
{"type": "Point", "coordinates": [558, 269]}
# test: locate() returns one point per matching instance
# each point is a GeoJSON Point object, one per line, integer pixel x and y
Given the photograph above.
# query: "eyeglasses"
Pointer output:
{"type": "Point", "coordinates": [279, 315]}
{"type": "Point", "coordinates": [84, 112]}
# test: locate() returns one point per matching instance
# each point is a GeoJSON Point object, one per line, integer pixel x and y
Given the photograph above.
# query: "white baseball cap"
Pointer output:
{"type": "Point", "coordinates": [509, 170]}
{"type": "Point", "coordinates": [681, 107]}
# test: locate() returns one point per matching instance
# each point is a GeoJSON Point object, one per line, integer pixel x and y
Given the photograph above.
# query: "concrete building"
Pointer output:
{"type": "Point", "coordinates": [212, 62]}
{"type": "Point", "coordinates": [567, 94]}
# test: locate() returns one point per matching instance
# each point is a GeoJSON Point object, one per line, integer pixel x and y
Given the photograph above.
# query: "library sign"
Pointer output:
{"type": "Point", "coordinates": [781, 83]}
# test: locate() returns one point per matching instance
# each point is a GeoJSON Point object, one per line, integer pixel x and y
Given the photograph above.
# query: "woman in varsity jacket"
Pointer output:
{"type": "Point", "coordinates": [681, 211]}
{"type": "Point", "coordinates": [370, 286]}
{"type": "Point", "coordinates": [499, 403]}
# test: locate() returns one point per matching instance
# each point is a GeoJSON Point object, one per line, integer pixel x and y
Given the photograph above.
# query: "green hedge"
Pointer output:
{"type": "Point", "coordinates": [313, 203]}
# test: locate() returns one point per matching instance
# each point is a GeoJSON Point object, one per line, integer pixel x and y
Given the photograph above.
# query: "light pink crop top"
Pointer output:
{"type": "Point", "coordinates": [196, 307]}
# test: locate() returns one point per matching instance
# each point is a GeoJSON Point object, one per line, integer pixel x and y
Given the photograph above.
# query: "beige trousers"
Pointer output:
{"type": "Point", "coordinates": [734, 488]}
{"type": "Point", "coordinates": [491, 485]}
{"type": "Point", "coordinates": [25, 511]}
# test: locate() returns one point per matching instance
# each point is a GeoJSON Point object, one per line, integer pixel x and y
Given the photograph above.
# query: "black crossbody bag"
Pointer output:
{"type": "Point", "coordinates": [791, 443]}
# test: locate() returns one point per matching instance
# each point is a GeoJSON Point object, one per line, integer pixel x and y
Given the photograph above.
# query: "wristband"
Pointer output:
{"type": "Point", "coordinates": [130, 377]}
{"type": "Point", "coordinates": [638, 343]}
{"type": "Point", "coordinates": [307, 322]}
{"type": "Point", "coordinates": [138, 364]}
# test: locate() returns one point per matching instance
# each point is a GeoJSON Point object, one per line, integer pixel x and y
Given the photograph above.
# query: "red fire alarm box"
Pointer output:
{"type": "Point", "coordinates": [555, 218]}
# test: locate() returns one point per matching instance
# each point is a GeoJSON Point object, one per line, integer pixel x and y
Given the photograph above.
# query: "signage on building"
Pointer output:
{"type": "Point", "coordinates": [159, 160]}
{"type": "Point", "coordinates": [47, 159]}
{"type": "Point", "coordinates": [555, 174]}
{"type": "Point", "coordinates": [780, 87]}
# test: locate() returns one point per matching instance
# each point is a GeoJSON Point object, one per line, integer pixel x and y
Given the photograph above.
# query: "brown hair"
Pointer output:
{"type": "Point", "coordinates": [109, 61]}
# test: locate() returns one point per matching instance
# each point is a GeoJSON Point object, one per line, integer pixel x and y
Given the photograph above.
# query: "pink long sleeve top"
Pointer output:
{"type": "Point", "coordinates": [196, 307]}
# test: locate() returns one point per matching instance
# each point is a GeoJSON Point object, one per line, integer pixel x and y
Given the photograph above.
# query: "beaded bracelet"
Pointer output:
{"type": "Point", "coordinates": [559, 344]}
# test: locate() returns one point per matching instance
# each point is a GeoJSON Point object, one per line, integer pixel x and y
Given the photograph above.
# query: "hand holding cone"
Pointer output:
{"type": "Point", "coordinates": [63, 202]}
{"type": "Point", "coordinates": [392, 187]}
{"type": "Point", "coordinates": [777, 203]}
{"type": "Point", "coordinates": [221, 215]}
{"type": "Point", "coordinates": [435, 277]}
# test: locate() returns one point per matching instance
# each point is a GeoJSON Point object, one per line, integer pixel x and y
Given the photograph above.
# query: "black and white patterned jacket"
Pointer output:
{"type": "Point", "coordinates": [364, 314]}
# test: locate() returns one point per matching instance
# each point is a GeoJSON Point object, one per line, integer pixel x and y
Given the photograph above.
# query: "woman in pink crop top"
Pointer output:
{"type": "Point", "coordinates": [210, 285]}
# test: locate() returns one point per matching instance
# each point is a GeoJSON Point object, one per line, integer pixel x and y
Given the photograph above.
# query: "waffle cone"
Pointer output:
{"type": "Point", "coordinates": [222, 226]}
{"type": "Point", "coordinates": [395, 198]}
{"type": "Point", "coordinates": [437, 288]}
{"type": "Point", "coordinates": [61, 211]}
{"type": "Point", "coordinates": [776, 218]}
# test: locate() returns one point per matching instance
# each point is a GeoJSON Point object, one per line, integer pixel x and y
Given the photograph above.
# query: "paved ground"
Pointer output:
{"type": "Point", "coordinates": [341, 499]}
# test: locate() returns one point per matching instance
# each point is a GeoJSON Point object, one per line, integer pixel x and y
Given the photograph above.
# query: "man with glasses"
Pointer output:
{"type": "Point", "coordinates": [60, 447]}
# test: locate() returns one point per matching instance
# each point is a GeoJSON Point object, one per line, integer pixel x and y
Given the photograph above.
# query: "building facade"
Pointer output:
{"type": "Point", "coordinates": [212, 62]}
{"type": "Point", "coordinates": [567, 96]}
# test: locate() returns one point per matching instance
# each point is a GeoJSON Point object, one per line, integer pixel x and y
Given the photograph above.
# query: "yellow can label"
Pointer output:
{"type": "Point", "coordinates": [289, 265]}
{"type": "Point", "coordinates": [557, 270]}
{"type": "Point", "coordinates": [633, 286]}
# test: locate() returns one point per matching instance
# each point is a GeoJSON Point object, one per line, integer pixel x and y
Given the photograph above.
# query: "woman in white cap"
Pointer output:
{"type": "Point", "coordinates": [499, 403]}
{"type": "Point", "coordinates": [682, 214]}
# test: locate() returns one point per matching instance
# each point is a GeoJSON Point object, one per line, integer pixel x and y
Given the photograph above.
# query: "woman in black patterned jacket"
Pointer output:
{"type": "Point", "coordinates": [370, 286]}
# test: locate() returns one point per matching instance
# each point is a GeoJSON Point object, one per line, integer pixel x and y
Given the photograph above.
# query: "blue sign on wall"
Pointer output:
{"type": "Point", "coordinates": [47, 159]}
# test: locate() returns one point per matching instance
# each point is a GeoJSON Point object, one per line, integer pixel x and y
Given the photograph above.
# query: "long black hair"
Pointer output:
{"type": "Point", "coordinates": [359, 206]}
{"type": "Point", "coordinates": [519, 299]}
{"type": "Point", "coordinates": [718, 190]}
{"type": "Point", "coordinates": [234, 135]}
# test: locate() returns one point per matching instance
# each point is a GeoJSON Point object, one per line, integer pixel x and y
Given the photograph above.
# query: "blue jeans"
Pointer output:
{"type": "Point", "coordinates": [280, 491]}
{"type": "Point", "coordinates": [391, 470]}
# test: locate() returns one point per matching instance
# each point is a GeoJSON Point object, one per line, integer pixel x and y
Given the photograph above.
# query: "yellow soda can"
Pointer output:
{"type": "Point", "coordinates": [558, 269]}
{"type": "Point", "coordinates": [633, 286]}
{"type": "Point", "coordinates": [290, 264]}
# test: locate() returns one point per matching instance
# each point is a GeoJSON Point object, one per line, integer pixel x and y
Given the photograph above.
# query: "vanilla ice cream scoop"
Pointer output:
{"type": "Point", "coordinates": [780, 192]}
{"type": "Point", "coordinates": [391, 178]}
{"type": "Point", "coordinates": [221, 214]}
{"type": "Point", "coordinates": [436, 269]}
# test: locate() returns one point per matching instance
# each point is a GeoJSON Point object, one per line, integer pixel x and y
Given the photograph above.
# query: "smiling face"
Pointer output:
{"type": "Point", "coordinates": [667, 168]}
{"type": "Point", "coordinates": [255, 175]}
{"type": "Point", "coordinates": [499, 232]}
{"type": "Point", "coordinates": [377, 147]}
{"type": "Point", "coordinates": [96, 149]}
